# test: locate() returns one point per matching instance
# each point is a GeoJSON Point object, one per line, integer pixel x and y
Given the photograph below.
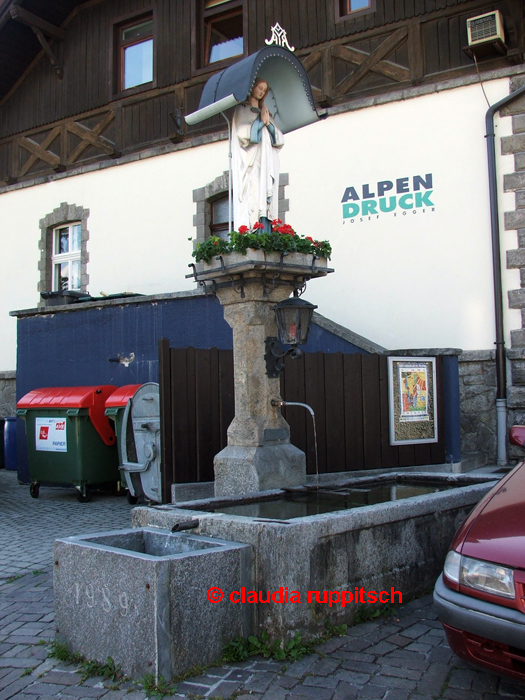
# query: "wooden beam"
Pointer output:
{"type": "Point", "coordinates": [311, 61]}
{"type": "Point", "coordinates": [91, 137]}
{"type": "Point", "coordinates": [385, 68]}
{"type": "Point", "coordinates": [31, 20]}
{"type": "Point", "coordinates": [371, 61]}
{"type": "Point", "coordinates": [40, 152]}
{"type": "Point", "coordinates": [327, 71]}
{"type": "Point", "coordinates": [43, 43]}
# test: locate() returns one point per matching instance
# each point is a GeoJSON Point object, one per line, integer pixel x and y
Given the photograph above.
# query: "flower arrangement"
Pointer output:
{"type": "Point", "coordinates": [281, 239]}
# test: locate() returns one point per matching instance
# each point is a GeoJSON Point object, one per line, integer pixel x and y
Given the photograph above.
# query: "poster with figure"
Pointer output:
{"type": "Point", "coordinates": [412, 403]}
{"type": "Point", "coordinates": [413, 392]}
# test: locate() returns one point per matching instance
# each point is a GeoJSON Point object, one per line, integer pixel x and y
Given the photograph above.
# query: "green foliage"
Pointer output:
{"type": "Point", "coordinates": [61, 652]}
{"type": "Point", "coordinates": [155, 689]}
{"type": "Point", "coordinates": [109, 670]}
{"type": "Point", "coordinates": [366, 613]}
{"type": "Point", "coordinates": [12, 579]}
{"type": "Point", "coordinates": [240, 649]}
{"type": "Point", "coordinates": [282, 239]}
{"type": "Point", "coordinates": [87, 669]}
{"type": "Point", "coordinates": [293, 649]}
{"type": "Point", "coordinates": [335, 630]}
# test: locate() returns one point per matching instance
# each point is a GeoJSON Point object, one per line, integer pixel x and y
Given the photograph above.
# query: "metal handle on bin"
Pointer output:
{"type": "Point", "coordinates": [131, 466]}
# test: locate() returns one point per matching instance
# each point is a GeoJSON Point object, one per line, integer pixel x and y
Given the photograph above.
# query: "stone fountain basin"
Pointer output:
{"type": "Point", "coordinates": [399, 544]}
{"type": "Point", "coordinates": [139, 596]}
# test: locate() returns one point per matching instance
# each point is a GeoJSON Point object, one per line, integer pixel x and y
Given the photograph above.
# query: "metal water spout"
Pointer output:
{"type": "Point", "coordinates": [280, 402]}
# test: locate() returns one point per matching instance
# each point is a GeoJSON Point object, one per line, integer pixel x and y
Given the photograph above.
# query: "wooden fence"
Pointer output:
{"type": "Point", "coordinates": [348, 394]}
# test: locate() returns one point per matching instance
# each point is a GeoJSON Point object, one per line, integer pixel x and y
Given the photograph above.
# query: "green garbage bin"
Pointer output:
{"type": "Point", "coordinates": [69, 439]}
{"type": "Point", "coordinates": [115, 406]}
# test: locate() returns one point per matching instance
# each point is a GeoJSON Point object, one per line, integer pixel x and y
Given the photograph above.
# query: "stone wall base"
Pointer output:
{"type": "Point", "coordinates": [7, 394]}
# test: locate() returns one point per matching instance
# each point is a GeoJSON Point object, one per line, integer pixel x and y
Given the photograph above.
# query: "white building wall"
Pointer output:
{"type": "Point", "coordinates": [421, 279]}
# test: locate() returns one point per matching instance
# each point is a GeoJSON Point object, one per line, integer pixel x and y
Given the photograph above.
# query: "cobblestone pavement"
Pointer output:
{"type": "Point", "coordinates": [399, 658]}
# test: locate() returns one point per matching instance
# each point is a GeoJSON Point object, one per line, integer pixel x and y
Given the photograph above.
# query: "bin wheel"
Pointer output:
{"type": "Point", "coordinates": [85, 495]}
{"type": "Point", "coordinates": [34, 490]}
{"type": "Point", "coordinates": [132, 500]}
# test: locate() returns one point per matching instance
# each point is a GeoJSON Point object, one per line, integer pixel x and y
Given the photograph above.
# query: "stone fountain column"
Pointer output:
{"type": "Point", "coordinates": [259, 455]}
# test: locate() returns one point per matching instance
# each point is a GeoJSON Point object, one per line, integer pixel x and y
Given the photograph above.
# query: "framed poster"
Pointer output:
{"type": "Point", "coordinates": [412, 400]}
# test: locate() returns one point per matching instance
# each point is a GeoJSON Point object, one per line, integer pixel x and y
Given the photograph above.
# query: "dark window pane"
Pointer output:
{"type": "Point", "coordinates": [62, 241]}
{"type": "Point", "coordinates": [138, 31]}
{"type": "Point", "coordinates": [225, 37]}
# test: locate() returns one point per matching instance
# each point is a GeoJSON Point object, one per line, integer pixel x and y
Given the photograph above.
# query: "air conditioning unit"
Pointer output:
{"type": "Point", "coordinates": [485, 29]}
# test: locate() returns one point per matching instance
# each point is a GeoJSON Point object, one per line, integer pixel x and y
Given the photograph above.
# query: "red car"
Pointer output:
{"type": "Point", "coordinates": [480, 596]}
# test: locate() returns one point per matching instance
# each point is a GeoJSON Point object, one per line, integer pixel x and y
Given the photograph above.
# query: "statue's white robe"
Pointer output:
{"type": "Point", "coordinates": [255, 167]}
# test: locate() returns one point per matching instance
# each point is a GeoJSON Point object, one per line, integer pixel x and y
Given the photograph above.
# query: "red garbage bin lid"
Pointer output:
{"type": "Point", "coordinates": [91, 397]}
{"type": "Point", "coordinates": [121, 396]}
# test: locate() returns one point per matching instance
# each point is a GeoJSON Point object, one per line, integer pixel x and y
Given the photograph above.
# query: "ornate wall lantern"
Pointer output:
{"type": "Point", "coordinates": [293, 317]}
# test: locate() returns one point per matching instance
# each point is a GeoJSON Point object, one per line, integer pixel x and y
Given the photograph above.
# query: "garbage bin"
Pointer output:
{"type": "Point", "coordinates": [9, 445]}
{"type": "Point", "coordinates": [69, 439]}
{"type": "Point", "coordinates": [136, 411]}
{"type": "Point", "coordinates": [115, 407]}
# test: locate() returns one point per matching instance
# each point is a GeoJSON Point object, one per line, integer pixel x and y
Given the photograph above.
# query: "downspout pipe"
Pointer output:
{"type": "Point", "coordinates": [501, 376]}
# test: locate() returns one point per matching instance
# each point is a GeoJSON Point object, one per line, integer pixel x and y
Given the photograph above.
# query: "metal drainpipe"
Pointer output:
{"type": "Point", "coordinates": [501, 395]}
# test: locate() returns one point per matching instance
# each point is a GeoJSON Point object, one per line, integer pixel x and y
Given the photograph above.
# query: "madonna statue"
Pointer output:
{"type": "Point", "coordinates": [256, 142]}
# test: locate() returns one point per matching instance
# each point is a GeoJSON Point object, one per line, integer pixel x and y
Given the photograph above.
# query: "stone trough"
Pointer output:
{"type": "Point", "coordinates": [398, 545]}
{"type": "Point", "coordinates": [139, 597]}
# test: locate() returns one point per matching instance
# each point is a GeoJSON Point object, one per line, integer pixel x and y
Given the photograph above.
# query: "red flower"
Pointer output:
{"type": "Point", "coordinates": [276, 222]}
{"type": "Point", "coordinates": [286, 229]}
{"type": "Point", "coordinates": [215, 242]}
{"type": "Point", "coordinates": [309, 238]}
{"type": "Point", "coordinates": [243, 229]}
{"type": "Point", "coordinates": [258, 225]}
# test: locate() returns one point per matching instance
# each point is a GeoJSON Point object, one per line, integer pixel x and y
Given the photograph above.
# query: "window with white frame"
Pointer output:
{"type": "Point", "coordinates": [66, 256]}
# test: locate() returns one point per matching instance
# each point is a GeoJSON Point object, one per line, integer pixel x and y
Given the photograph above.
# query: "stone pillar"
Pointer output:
{"type": "Point", "coordinates": [259, 455]}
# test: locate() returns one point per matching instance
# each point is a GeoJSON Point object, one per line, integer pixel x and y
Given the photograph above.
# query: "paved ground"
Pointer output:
{"type": "Point", "coordinates": [399, 658]}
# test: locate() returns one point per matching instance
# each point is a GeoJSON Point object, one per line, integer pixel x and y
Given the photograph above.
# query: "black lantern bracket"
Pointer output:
{"type": "Point", "coordinates": [274, 356]}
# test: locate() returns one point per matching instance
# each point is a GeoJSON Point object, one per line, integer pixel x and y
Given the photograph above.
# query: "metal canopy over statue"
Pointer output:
{"type": "Point", "coordinates": [272, 95]}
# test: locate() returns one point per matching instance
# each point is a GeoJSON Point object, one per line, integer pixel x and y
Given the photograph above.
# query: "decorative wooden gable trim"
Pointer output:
{"type": "Point", "coordinates": [365, 63]}
{"type": "Point", "coordinates": [53, 146]}
{"type": "Point", "coordinates": [92, 137]}
{"type": "Point", "coordinates": [372, 62]}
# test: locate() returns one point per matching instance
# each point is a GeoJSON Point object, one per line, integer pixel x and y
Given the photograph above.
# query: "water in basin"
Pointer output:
{"type": "Point", "coordinates": [301, 503]}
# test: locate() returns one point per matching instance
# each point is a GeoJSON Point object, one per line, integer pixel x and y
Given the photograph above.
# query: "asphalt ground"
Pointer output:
{"type": "Point", "coordinates": [402, 657]}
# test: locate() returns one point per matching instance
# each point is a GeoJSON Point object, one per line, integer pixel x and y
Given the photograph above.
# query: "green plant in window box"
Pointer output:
{"type": "Point", "coordinates": [281, 239]}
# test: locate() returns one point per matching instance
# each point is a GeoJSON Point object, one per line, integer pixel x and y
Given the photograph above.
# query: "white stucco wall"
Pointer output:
{"type": "Point", "coordinates": [422, 279]}
{"type": "Point", "coordinates": [419, 280]}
